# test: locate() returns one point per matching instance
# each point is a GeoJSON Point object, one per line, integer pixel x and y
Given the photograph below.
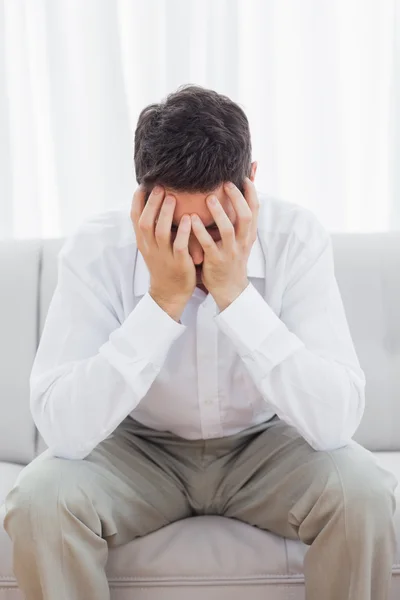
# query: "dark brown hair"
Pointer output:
{"type": "Point", "coordinates": [193, 141]}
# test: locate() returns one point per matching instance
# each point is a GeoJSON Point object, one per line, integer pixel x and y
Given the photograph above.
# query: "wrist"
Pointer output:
{"type": "Point", "coordinates": [223, 298]}
{"type": "Point", "coordinates": [174, 307]}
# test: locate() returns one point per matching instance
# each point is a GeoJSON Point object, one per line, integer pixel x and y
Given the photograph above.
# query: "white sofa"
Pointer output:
{"type": "Point", "coordinates": [212, 556]}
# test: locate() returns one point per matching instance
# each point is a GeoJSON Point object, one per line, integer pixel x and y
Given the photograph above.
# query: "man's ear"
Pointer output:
{"type": "Point", "coordinates": [253, 170]}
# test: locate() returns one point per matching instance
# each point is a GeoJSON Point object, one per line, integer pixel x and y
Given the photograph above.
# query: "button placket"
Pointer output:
{"type": "Point", "coordinates": [207, 368]}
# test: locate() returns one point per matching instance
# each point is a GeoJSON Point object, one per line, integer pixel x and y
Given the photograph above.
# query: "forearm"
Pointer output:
{"type": "Point", "coordinates": [322, 399]}
{"type": "Point", "coordinates": [321, 391]}
{"type": "Point", "coordinates": [80, 406]}
{"type": "Point", "coordinates": [77, 404]}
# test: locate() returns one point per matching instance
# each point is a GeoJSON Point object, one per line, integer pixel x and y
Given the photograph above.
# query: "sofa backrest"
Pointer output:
{"type": "Point", "coordinates": [367, 268]}
{"type": "Point", "coordinates": [19, 293]}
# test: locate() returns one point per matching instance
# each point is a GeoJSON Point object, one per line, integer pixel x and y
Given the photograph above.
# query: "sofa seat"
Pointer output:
{"type": "Point", "coordinates": [222, 558]}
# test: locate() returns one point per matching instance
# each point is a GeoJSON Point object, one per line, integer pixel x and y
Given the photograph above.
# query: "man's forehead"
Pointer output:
{"type": "Point", "coordinates": [183, 196]}
{"type": "Point", "coordinates": [188, 202]}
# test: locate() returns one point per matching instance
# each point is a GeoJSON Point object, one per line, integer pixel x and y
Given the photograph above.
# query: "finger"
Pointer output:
{"type": "Point", "coordinates": [205, 239]}
{"type": "Point", "coordinates": [148, 217]}
{"type": "Point", "coordinates": [181, 242]}
{"type": "Point", "coordinates": [138, 201]}
{"type": "Point", "coordinates": [251, 196]}
{"type": "Point", "coordinates": [244, 216]}
{"type": "Point", "coordinates": [225, 226]}
{"type": "Point", "coordinates": [164, 222]}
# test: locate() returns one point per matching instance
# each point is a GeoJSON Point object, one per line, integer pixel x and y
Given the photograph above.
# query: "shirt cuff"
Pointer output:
{"type": "Point", "coordinates": [147, 333]}
{"type": "Point", "coordinates": [251, 324]}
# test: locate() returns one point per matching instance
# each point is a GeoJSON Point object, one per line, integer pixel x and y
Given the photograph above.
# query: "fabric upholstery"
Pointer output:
{"type": "Point", "coordinates": [19, 289]}
{"type": "Point", "coordinates": [368, 275]}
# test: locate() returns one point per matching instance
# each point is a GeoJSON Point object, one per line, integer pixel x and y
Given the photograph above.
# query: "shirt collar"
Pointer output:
{"type": "Point", "coordinates": [255, 268]}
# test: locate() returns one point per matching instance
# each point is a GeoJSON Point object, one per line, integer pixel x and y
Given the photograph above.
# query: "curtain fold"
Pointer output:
{"type": "Point", "coordinates": [318, 79]}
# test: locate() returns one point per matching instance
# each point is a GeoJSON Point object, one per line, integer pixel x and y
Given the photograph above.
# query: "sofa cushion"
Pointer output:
{"type": "Point", "coordinates": [367, 272]}
{"type": "Point", "coordinates": [19, 276]}
{"type": "Point", "coordinates": [8, 476]}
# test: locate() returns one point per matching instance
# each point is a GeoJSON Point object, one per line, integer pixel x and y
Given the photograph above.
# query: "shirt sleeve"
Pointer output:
{"type": "Point", "coordinates": [303, 362]}
{"type": "Point", "coordinates": [91, 371]}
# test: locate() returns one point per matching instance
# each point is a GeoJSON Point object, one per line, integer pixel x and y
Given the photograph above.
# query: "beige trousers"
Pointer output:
{"type": "Point", "coordinates": [62, 515]}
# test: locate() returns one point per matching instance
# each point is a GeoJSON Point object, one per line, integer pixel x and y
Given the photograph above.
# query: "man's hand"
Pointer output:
{"type": "Point", "coordinates": [224, 271]}
{"type": "Point", "coordinates": [172, 271]}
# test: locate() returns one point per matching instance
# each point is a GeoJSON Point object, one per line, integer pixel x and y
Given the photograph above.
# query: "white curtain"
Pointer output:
{"type": "Point", "coordinates": [318, 79]}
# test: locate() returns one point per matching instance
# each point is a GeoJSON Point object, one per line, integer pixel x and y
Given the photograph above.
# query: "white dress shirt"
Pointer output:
{"type": "Point", "coordinates": [282, 347]}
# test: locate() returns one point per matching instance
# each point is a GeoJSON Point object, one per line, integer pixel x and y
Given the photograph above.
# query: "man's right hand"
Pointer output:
{"type": "Point", "coordinates": [172, 270]}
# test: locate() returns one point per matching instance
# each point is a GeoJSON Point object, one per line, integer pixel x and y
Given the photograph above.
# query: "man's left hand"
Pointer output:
{"type": "Point", "coordinates": [224, 269]}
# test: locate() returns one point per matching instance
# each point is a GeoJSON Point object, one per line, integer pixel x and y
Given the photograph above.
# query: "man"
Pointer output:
{"type": "Point", "coordinates": [227, 326]}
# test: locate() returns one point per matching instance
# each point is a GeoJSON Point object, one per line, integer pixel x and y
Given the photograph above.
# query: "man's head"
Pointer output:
{"type": "Point", "coordinates": [191, 143]}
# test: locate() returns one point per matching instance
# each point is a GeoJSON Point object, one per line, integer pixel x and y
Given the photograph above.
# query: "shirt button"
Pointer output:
{"type": "Point", "coordinates": [208, 401]}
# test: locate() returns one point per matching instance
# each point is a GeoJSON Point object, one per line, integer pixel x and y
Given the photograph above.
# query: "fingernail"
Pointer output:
{"type": "Point", "coordinates": [229, 184]}
{"type": "Point", "coordinates": [157, 189]}
{"type": "Point", "coordinates": [212, 200]}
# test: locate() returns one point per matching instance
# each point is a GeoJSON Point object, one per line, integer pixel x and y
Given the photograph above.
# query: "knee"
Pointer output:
{"type": "Point", "coordinates": [39, 489]}
{"type": "Point", "coordinates": [365, 490]}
